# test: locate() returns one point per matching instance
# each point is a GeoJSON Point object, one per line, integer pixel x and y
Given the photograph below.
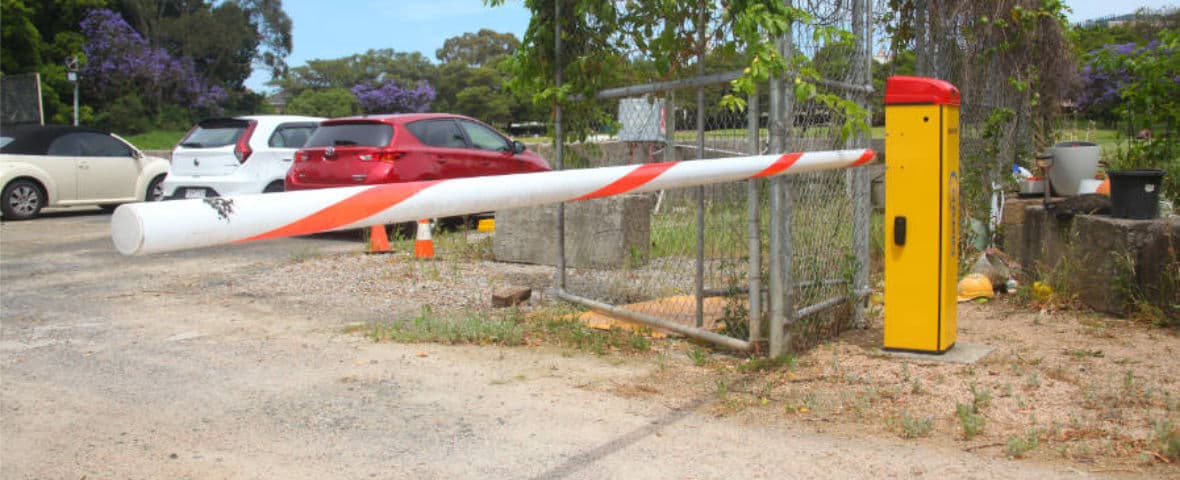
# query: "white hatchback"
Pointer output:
{"type": "Point", "coordinates": [236, 156]}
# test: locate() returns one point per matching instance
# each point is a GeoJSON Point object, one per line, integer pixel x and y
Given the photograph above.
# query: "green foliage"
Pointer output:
{"type": "Point", "coordinates": [374, 67]}
{"type": "Point", "coordinates": [1158, 302]}
{"type": "Point", "coordinates": [915, 427]}
{"type": "Point", "coordinates": [1149, 100]}
{"type": "Point", "coordinates": [485, 47]}
{"type": "Point", "coordinates": [126, 113]}
{"type": "Point", "coordinates": [1018, 446]}
{"type": "Point", "coordinates": [37, 37]}
{"type": "Point", "coordinates": [1145, 27]}
{"type": "Point", "coordinates": [980, 398]}
{"type": "Point", "coordinates": [156, 139]}
{"type": "Point", "coordinates": [329, 102]}
{"type": "Point", "coordinates": [699, 357]}
{"type": "Point", "coordinates": [760, 364]}
{"type": "Point", "coordinates": [473, 328]}
{"type": "Point", "coordinates": [971, 421]}
{"type": "Point", "coordinates": [663, 36]}
{"type": "Point", "coordinates": [1167, 439]}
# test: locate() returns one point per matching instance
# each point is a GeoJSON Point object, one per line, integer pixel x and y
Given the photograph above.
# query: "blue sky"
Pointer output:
{"type": "Point", "coordinates": [335, 29]}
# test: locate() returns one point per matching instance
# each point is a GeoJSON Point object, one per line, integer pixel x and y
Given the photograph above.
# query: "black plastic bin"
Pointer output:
{"type": "Point", "coordinates": [1135, 194]}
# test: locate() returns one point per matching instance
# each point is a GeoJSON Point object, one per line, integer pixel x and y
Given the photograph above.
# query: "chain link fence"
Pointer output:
{"type": "Point", "coordinates": [776, 264]}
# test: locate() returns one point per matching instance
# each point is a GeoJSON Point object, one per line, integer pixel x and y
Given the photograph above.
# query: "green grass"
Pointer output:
{"type": "Point", "coordinates": [156, 139]}
{"type": "Point", "coordinates": [1106, 139]}
{"type": "Point", "coordinates": [506, 327]}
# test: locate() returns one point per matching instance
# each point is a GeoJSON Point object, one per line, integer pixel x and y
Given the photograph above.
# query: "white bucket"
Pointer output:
{"type": "Point", "coordinates": [1072, 163]}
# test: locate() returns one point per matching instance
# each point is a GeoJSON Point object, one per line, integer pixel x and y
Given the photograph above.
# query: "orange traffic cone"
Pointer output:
{"type": "Point", "coordinates": [424, 245]}
{"type": "Point", "coordinates": [378, 240]}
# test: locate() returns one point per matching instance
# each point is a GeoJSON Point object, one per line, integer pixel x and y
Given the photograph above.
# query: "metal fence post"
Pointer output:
{"type": "Point", "coordinates": [754, 207]}
{"type": "Point", "coordinates": [559, 146]}
{"type": "Point", "coordinates": [859, 177]}
{"type": "Point", "coordinates": [700, 191]}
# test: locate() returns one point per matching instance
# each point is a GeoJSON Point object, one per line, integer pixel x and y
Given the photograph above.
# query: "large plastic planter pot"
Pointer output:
{"type": "Point", "coordinates": [1072, 163]}
{"type": "Point", "coordinates": [1135, 194]}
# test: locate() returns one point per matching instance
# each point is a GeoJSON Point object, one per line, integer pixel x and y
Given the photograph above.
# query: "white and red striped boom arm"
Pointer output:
{"type": "Point", "coordinates": [143, 228]}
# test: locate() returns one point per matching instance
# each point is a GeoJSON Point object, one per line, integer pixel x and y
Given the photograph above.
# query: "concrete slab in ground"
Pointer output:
{"type": "Point", "coordinates": [962, 352]}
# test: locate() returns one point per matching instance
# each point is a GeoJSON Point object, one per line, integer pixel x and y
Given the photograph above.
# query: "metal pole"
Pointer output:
{"type": "Point", "coordinates": [657, 322]}
{"type": "Point", "coordinates": [75, 101]}
{"type": "Point", "coordinates": [859, 177]}
{"type": "Point", "coordinates": [774, 267]}
{"type": "Point", "coordinates": [754, 207]}
{"type": "Point", "coordinates": [700, 191]}
{"type": "Point", "coordinates": [782, 292]}
{"type": "Point", "coordinates": [754, 252]}
{"type": "Point", "coordinates": [559, 145]}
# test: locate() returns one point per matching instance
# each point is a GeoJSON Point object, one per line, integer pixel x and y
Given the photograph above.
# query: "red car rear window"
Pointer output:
{"type": "Point", "coordinates": [351, 134]}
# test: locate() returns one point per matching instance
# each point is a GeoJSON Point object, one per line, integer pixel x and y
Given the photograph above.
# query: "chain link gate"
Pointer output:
{"type": "Point", "coordinates": [715, 250]}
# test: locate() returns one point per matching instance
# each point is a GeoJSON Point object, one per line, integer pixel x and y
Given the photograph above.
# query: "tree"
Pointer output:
{"type": "Point", "coordinates": [477, 49]}
{"type": "Point", "coordinates": [274, 32]}
{"type": "Point", "coordinates": [1147, 25]}
{"type": "Point", "coordinates": [393, 98]}
{"type": "Point", "coordinates": [121, 64]}
{"type": "Point", "coordinates": [263, 22]}
{"type": "Point", "coordinates": [327, 102]}
{"type": "Point", "coordinates": [371, 67]}
{"type": "Point", "coordinates": [38, 37]}
{"type": "Point", "coordinates": [601, 36]}
{"type": "Point", "coordinates": [220, 41]}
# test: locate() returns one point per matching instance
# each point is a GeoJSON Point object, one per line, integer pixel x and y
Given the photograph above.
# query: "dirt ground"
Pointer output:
{"type": "Point", "coordinates": [237, 363]}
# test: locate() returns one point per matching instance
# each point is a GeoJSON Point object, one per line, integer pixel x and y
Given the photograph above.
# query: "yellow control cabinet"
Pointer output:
{"type": "Point", "coordinates": [922, 225]}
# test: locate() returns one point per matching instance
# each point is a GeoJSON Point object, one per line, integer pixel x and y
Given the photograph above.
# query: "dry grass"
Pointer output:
{"type": "Point", "coordinates": [1097, 393]}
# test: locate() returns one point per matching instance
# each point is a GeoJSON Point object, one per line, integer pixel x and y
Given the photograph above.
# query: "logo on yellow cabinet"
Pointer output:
{"type": "Point", "coordinates": [952, 199]}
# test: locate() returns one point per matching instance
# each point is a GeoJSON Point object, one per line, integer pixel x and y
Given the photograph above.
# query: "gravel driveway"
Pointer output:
{"type": "Point", "coordinates": [211, 364]}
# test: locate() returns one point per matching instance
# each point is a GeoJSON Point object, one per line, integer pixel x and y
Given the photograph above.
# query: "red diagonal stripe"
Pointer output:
{"type": "Point", "coordinates": [864, 158]}
{"type": "Point", "coordinates": [784, 162]}
{"type": "Point", "coordinates": [630, 181]}
{"type": "Point", "coordinates": [362, 205]}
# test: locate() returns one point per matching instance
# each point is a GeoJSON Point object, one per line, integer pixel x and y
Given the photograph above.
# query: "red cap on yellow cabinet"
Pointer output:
{"type": "Point", "coordinates": [920, 90]}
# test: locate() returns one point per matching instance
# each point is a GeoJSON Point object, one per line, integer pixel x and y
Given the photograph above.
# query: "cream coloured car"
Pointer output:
{"type": "Point", "coordinates": [63, 166]}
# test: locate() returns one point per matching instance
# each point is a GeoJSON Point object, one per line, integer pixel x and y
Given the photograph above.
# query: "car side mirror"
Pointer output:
{"type": "Point", "coordinates": [517, 146]}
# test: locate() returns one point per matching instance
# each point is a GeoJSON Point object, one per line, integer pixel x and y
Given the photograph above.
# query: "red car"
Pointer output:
{"type": "Point", "coordinates": [376, 149]}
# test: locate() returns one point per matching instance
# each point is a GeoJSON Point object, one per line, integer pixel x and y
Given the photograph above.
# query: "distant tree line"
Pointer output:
{"type": "Point", "coordinates": [162, 64]}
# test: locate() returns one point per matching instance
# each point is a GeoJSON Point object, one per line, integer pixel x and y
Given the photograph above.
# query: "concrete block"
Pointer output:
{"type": "Point", "coordinates": [509, 296]}
{"type": "Point", "coordinates": [601, 233]}
{"type": "Point", "coordinates": [1102, 257]}
{"type": "Point", "coordinates": [1014, 209]}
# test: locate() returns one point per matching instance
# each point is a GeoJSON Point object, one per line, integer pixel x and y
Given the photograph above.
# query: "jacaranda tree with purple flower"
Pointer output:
{"type": "Point", "coordinates": [1142, 82]}
{"type": "Point", "coordinates": [393, 98]}
{"type": "Point", "coordinates": [122, 67]}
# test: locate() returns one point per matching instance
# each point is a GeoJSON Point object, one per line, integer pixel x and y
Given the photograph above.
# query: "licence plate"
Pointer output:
{"type": "Point", "coordinates": [194, 193]}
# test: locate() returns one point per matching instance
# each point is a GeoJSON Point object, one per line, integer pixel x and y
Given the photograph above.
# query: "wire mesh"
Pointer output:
{"type": "Point", "coordinates": [697, 268]}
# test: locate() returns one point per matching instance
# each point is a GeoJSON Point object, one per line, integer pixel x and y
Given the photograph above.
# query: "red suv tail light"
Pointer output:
{"type": "Point", "coordinates": [300, 156]}
{"type": "Point", "coordinates": [389, 156]}
{"type": "Point", "coordinates": [242, 149]}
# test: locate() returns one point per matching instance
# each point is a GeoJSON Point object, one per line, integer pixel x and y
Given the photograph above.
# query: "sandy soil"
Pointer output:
{"type": "Point", "coordinates": [198, 365]}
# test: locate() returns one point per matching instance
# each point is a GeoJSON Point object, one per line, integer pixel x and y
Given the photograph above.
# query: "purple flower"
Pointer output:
{"type": "Point", "coordinates": [120, 61]}
{"type": "Point", "coordinates": [392, 98]}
